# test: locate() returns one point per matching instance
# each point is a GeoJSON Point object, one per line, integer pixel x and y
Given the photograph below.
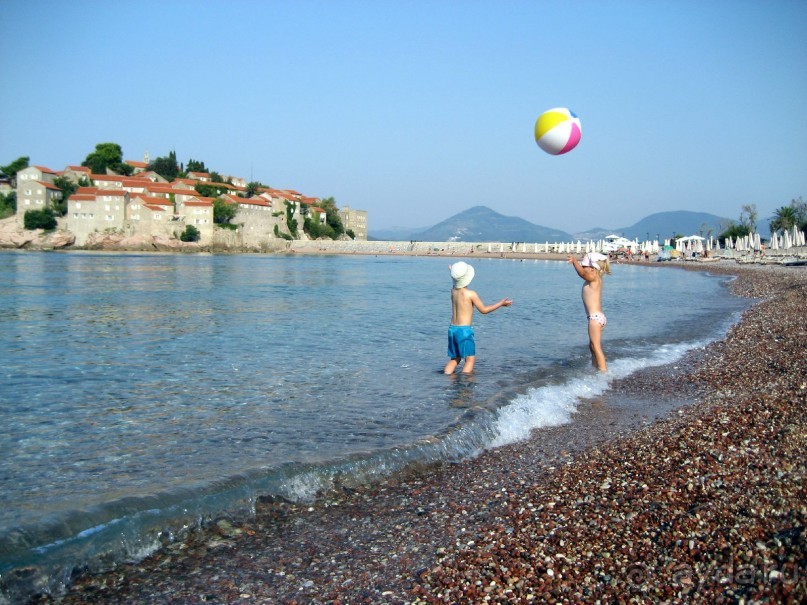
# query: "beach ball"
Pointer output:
{"type": "Point", "coordinates": [557, 131]}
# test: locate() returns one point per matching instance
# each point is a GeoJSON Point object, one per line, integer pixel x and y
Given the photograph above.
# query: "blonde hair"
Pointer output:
{"type": "Point", "coordinates": [604, 265]}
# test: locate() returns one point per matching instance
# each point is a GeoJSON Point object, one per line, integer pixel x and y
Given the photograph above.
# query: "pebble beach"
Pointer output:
{"type": "Point", "coordinates": [702, 500]}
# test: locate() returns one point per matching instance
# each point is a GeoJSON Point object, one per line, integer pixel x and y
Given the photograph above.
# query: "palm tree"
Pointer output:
{"type": "Point", "coordinates": [784, 219]}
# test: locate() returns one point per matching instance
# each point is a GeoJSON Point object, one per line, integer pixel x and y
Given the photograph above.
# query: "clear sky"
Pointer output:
{"type": "Point", "coordinates": [418, 110]}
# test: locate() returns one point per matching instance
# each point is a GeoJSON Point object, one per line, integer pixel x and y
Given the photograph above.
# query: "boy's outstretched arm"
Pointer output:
{"type": "Point", "coordinates": [485, 309]}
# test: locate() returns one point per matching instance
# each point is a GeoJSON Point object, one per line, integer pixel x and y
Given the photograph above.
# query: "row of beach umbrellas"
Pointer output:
{"type": "Point", "coordinates": [789, 238]}
{"type": "Point", "coordinates": [693, 243]}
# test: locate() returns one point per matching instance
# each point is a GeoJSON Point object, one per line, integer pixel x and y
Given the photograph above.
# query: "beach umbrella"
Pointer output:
{"type": "Point", "coordinates": [774, 241]}
{"type": "Point", "coordinates": [787, 243]}
{"type": "Point", "coordinates": [757, 242]}
{"type": "Point", "coordinates": [578, 246]}
{"type": "Point", "coordinates": [717, 244]}
{"type": "Point", "coordinates": [488, 248]}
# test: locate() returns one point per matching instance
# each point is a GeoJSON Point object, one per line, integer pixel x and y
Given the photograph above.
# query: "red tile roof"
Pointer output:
{"type": "Point", "coordinates": [88, 190]}
{"type": "Point", "coordinates": [50, 186]}
{"type": "Point", "coordinates": [153, 201]}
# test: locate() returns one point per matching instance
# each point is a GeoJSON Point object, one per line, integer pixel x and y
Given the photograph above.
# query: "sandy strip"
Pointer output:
{"type": "Point", "coordinates": [706, 505]}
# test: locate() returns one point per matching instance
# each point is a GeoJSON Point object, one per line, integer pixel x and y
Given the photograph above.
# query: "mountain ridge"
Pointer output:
{"type": "Point", "coordinates": [480, 223]}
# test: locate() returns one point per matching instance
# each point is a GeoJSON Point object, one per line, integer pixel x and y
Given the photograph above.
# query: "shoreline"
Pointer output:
{"type": "Point", "coordinates": [459, 532]}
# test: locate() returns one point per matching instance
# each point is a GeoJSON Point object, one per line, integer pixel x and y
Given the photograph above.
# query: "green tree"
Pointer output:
{"type": "Point", "coordinates": [8, 204]}
{"type": "Point", "coordinates": [350, 234]}
{"type": "Point", "coordinates": [166, 167]}
{"type": "Point", "coordinates": [734, 231]}
{"type": "Point", "coordinates": [223, 212]}
{"type": "Point", "coordinates": [291, 222]}
{"type": "Point", "coordinates": [195, 166]}
{"type": "Point", "coordinates": [748, 217]}
{"type": "Point", "coordinates": [206, 190]}
{"type": "Point", "coordinates": [332, 218]}
{"type": "Point", "coordinates": [14, 167]}
{"type": "Point", "coordinates": [316, 230]}
{"type": "Point", "coordinates": [252, 189]}
{"type": "Point", "coordinates": [68, 188]}
{"type": "Point", "coordinates": [784, 218]}
{"type": "Point", "coordinates": [191, 234]}
{"type": "Point", "coordinates": [106, 155]}
{"type": "Point", "coordinates": [39, 219]}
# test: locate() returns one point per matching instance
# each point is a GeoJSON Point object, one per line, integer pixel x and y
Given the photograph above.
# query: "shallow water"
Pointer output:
{"type": "Point", "coordinates": [143, 393]}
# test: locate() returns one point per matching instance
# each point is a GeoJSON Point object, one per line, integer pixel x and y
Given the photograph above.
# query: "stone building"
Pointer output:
{"type": "Point", "coordinates": [354, 220]}
{"type": "Point", "coordinates": [35, 190]}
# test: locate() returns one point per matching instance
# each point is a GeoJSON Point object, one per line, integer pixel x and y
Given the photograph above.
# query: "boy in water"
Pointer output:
{"type": "Point", "coordinates": [591, 269]}
{"type": "Point", "coordinates": [460, 333]}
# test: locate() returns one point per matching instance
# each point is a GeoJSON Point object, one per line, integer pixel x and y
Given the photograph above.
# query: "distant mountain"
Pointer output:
{"type": "Point", "coordinates": [683, 222]}
{"type": "Point", "coordinates": [481, 224]}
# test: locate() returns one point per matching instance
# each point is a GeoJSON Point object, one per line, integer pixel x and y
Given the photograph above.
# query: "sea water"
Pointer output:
{"type": "Point", "coordinates": [143, 393]}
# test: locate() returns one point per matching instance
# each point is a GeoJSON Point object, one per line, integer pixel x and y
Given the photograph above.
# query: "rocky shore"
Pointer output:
{"type": "Point", "coordinates": [706, 504]}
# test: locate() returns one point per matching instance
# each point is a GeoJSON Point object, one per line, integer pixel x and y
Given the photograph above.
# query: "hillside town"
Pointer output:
{"type": "Point", "coordinates": [146, 207]}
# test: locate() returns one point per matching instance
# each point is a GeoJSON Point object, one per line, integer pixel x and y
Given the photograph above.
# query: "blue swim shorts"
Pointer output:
{"type": "Point", "coordinates": [461, 341]}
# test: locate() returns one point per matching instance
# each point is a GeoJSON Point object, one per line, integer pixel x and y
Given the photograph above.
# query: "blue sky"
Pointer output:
{"type": "Point", "coordinates": [415, 111]}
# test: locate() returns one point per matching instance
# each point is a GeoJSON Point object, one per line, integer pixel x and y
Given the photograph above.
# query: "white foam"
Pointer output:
{"type": "Point", "coordinates": [553, 405]}
{"type": "Point", "coordinates": [303, 487]}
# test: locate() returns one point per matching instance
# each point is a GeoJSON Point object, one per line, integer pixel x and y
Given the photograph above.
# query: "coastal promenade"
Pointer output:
{"type": "Point", "coordinates": [521, 250]}
{"type": "Point", "coordinates": [416, 248]}
{"type": "Point", "coordinates": [705, 504]}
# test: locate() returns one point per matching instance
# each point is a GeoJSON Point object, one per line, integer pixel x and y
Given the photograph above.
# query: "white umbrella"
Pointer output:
{"type": "Point", "coordinates": [501, 247]}
{"type": "Point", "coordinates": [757, 242]}
{"type": "Point", "coordinates": [774, 241]}
{"type": "Point", "coordinates": [488, 248]}
{"type": "Point", "coordinates": [787, 243]}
